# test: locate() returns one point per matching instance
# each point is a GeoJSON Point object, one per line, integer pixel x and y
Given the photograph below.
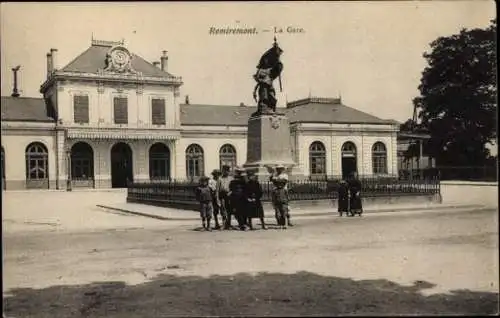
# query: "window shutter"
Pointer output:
{"type": "Point", "coordinates": [158, 111]}
{"type": "Point", "coordinates": [81, 109]}
{"type": "Point", "coordinates": [120, 110]}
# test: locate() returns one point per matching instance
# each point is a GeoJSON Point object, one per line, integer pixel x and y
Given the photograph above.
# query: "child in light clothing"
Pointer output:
{"type": "Point", "coordinates": [204, 196]}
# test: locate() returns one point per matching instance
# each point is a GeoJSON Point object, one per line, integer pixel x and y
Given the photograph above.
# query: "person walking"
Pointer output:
{"type": "Point", "coordinates": [237, 195]}
{"type": "Point", "coordinates": [254, 195]}
{"type": "Point", "coordinates": [223, 194]}
{"type": "Point", "coordinates": [356, 206]}
{"type": "Point", "coordinates": [343, 198]}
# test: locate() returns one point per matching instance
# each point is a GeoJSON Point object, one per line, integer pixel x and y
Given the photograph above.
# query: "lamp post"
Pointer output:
{"type": "Point", "coordinates": [68, 160]}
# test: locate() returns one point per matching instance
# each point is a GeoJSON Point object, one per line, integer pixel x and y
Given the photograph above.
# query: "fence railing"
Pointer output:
{"type": "Point", "coordinates": [306, 189]}
{"type": "Point", "coordinates": [476, 173]}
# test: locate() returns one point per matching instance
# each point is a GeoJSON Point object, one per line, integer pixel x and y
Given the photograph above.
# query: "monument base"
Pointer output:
{"type": "Point", "coordinates": [260, 170]}
{"type": "Point", "coordinates": [269, 144]}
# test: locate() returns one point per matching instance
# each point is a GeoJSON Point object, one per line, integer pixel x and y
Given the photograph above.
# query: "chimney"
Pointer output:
{"type": "Point", "coordinates": [53, 53]}
{"type": "Point", "coordinates": [164, 61]}
{"type": "Point", "coordinates": [49, 64]}
{"type": "Point", "coordinates": [156, 63]}
{"type": "Point", "coordinates": [187, 100]}
{"type": "Point", "coordinates": [15, 92]}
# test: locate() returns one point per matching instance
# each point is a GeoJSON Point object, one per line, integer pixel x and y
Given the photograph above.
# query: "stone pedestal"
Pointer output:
{"type": "Point", "coordinates": [268, 144]}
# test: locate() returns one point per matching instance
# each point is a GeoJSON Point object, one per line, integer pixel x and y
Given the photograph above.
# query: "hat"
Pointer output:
{"type": "Point", "coordinates": [226, 168]}
{"type": "Point", "coordinates": [280, 166]}
{"type": "Point", "coordinates": [250, 172]}
{"type": "Point", "coordinates": [216, 172]}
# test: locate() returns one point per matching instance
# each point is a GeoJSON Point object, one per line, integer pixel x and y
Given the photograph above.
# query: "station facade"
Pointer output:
{"type": "Point", "coordinates": [109, 117]}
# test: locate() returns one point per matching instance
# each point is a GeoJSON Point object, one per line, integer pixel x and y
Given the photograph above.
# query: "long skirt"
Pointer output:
{"type": "Point", "coordinates": [255, 210]}
{"type": "Point", "coordinates": [356, 204]}
{"type": "Point", "coordinates": [343, 205]}
{"type": "Point", "coordinates": [239, 209]}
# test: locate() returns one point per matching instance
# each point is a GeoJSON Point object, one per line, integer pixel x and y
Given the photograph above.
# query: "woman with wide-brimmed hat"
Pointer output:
{"type": "Point", "coordinates": [355, 203]}
{"type": "Point", "coordinates": [343, 198]}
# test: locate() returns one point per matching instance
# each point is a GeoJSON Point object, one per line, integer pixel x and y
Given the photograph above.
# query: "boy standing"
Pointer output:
{"type": "Point", "coordinates": [279, 178]}
{"type": "Point", "coordinates": [223, 193]}
{"type": "Point", "coordinates": [204, 196]}
{"type": "Point", "coordinates": [213, 184]}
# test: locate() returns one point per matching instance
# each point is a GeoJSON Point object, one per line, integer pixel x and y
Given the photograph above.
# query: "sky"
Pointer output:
{"type": "Point", "coordinates": [369, 53]}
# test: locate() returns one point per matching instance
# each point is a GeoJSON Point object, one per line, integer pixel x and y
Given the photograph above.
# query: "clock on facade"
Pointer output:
{"type": "Point", "coordinates": [118, 59]}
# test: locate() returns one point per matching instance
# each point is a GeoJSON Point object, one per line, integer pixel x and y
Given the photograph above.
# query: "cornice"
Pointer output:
{"type": "Point", "coordinates": [103, 76]}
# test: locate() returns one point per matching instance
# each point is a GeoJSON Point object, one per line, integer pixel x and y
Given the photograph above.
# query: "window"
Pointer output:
{"type": "Point", "coordinates": [81, 109]}
{"type": "Point", "coordinates": [317, 158]}
{"type": "Point", "coordinates": [194, 161]}
{"type": "Point", "coordinates": [36, 162]}
{"type": "Point", "coordinates": [379, 158]}
{"type": "Point", "coordinates": [82, 161]}
{"type": "Point", "coordinates": [158, 111]}
{"type": "Point", "coordinates": [120, 107]}
{"type": "Point", "coordinates": [227, 156]}
{"type": "Point", "coordinates": [348, 149]}
{"type": "Point", "coordinates": [159, 162]}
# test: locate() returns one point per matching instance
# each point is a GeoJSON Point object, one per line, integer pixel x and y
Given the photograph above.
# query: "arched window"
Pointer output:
{"type": "Point", "coordinates": [379, 158]}
{"type": "Point", "coordinates": [37, 165]}
{"type": "Point", "coordinates": [82, 162]}
{"type": "Point", "coordinates": [194, 161]}
{"type": "Point", "coordinates": [227, 156]}
{"type": "Point", "coordinates": [317, 159]}
{"type": "Point", "coordinates": [348, 149]}
{"type": "Point", "coordinates": [159, 162]}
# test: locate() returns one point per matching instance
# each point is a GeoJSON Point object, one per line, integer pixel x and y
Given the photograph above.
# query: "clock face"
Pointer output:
{"type": "Point", "coordinates": [120, 58]}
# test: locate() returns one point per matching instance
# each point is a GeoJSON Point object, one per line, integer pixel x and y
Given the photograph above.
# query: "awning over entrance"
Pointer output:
{"type": "Point", "coordinates": [123, 134]}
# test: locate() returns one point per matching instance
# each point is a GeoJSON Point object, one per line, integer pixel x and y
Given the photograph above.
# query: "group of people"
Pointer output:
{"type": "Point", "coordinates": [349, 197]}
{"type": "Point", "coordinates": [240, 196]}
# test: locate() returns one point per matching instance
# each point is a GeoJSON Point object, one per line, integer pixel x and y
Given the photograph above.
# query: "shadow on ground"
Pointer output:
{"type": "Point", "coordinates": [265, 294]}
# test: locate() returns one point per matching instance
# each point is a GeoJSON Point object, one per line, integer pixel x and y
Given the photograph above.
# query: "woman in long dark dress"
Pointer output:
{"type": "Point", "coordinates": [254, 205]}
{"type": "Point", "coordinates": [356, 206]}
{"type": "Point", "coordinates": [343, 198]}
{"type": "Point", "coordinates": [237, 195]}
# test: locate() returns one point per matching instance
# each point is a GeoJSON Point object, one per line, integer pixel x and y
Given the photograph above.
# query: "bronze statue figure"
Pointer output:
{"type": "Point", "coordinates": [268, 69]}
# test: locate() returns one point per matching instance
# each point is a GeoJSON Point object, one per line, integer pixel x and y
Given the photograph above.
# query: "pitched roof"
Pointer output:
{"type": "Point", "coordinates": [215, 115]}
{"type": "Point", "coordinates": [95, 56]}
{"type": "Point", "coordinates": [24, 109]}
{"type": "Point", "coordinates": [317, 111]}
{"type": "Point", "coordinates": [34, 109]}
{"type": "Point", "coordinates": [312, 110]}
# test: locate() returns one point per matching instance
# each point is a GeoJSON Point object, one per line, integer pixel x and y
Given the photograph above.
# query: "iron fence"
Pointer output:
{"type": "Point", "coordinates": [472, 173]}
{"type": "Point", "coordinates": [304, 189]}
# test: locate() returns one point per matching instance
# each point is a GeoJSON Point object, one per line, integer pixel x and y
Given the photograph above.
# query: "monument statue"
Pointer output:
{"type": "Point", "coordinates": [268, 69]}
{"type": "Point", "coordinates": [268, 132]}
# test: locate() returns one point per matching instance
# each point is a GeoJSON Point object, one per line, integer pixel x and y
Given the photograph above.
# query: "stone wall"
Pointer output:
{"type": "Point", "coordinates": [466, 192]}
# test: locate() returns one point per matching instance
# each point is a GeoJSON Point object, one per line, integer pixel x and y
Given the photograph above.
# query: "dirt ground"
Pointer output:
{"type": "Point", "coordinates": [429, 263]}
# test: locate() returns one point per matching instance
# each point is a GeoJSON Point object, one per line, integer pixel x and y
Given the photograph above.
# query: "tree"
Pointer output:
{"type": "Point", "coordinates": [458, 97]}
